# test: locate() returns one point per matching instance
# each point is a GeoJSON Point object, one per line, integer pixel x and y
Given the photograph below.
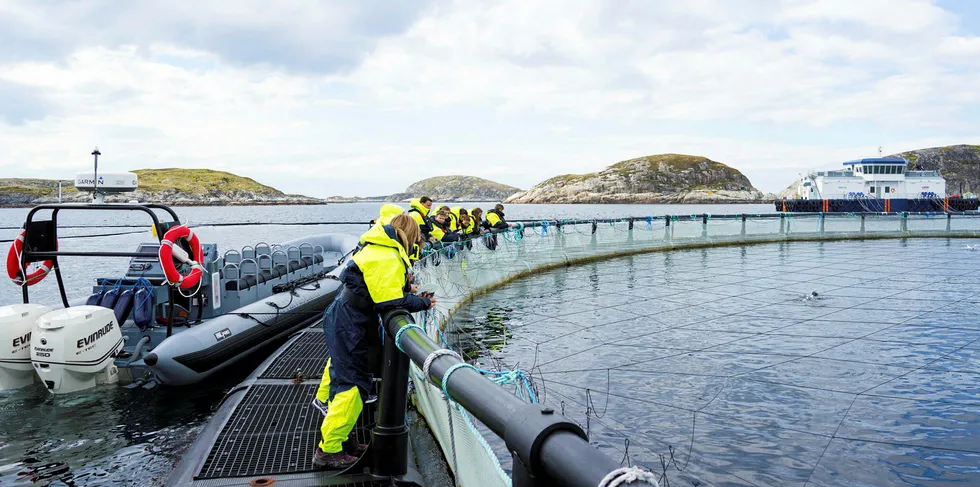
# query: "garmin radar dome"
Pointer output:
{"type": "Point", "coordinates": [102, 183]}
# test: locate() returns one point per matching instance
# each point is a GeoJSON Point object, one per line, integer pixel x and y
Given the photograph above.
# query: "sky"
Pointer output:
{"type": "Point", "coordinates": [363, 98]}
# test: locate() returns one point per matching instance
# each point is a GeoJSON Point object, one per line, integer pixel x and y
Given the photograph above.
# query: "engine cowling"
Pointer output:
{"type": "Point", "coordinates": [73, 349]}
{"type": "Point", "coordinates": [16, 324]}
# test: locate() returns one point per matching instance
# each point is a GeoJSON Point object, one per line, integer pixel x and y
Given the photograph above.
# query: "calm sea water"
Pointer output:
{"type": "Point", "coordinates": [718, 366]}
{"type": "Point", "coordinates": [113, 436]}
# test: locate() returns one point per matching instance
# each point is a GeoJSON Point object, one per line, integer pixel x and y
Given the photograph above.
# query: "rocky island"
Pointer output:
{"type": "Point", "coordinates": [663, 178]}
{"type": "Point", "coordinates": [958, 164]}
{"type": "Point", "coordinates": [456, 188]}
{"type": "Point", "coordinates": [170, 186]}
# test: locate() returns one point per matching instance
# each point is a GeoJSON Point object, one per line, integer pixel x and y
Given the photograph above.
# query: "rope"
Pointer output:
{"type": "Point", "coordinates": [436, 354]}
{"type": "Point", "coordinates": [445, 377]}
{"type": "Point", "coordinates": [398, 336]}
{"type": "Point", "coordinates": [628, 475]}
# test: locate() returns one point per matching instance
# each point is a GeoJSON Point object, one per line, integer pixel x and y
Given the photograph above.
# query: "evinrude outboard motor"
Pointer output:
{"type": "Point", "coordinates": [16, 323]}
{"type": "Point", "coordinates": [73, 349]}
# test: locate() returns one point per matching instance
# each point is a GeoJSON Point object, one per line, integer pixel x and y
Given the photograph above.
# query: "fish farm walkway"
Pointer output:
{"type": "Point", "coordinates": [268, 428]}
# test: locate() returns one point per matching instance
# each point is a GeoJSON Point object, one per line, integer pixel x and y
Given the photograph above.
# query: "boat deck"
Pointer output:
{"type": "Point", "coordinates": [266, 430]}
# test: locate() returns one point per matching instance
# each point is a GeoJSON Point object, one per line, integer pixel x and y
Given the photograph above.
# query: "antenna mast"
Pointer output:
{"type": "Point", "coordinates": [96, 197]}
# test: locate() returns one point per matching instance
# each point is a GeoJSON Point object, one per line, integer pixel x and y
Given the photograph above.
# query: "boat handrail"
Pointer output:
{"type": "Point", "coordinates": [41, 237]}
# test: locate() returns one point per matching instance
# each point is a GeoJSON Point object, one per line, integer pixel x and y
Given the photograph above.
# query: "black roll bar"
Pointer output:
{"type": "Point", "coordinates": [548, 450]}
{"type": "Point", "coordinates": [29, 255]}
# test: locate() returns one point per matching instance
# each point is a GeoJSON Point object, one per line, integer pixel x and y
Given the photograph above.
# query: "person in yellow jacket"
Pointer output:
{"type": "Point", "coordinates": [476, 225]}
{"type": "Point", "coordinates": [439, 227]}
{"type": "Point", "coordinates": [388, 213]}
{"type": "Point", "coordinates": [495, 219]}
{"type": "Point", "coordinates": [419, 209]}
{"type": "Point", "coordinates": [454, 218]}
{"type": "Point", "coordinates": [376, 279]}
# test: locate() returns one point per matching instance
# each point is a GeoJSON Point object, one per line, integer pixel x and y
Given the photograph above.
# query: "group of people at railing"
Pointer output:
{"type": "Point", "coordinates": [452, 224]}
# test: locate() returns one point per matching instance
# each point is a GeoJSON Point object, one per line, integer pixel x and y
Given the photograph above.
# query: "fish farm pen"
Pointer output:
{"type": "Point", "coordinates": [783, 351]}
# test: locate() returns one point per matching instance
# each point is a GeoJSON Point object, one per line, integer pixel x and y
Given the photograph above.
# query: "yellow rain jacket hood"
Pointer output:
{"type": "Point", "coordinates": [388, 213]}
{"type": "Point", "coordinates": [377, 261]}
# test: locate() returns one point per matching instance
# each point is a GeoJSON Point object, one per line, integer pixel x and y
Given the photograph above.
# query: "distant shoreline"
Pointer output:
{"type": "Point", "coordinates": [326, 203]}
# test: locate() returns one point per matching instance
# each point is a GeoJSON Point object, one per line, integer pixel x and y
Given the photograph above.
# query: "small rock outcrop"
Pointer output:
{"type": "Point", "coordinates": [456, 188]}
{"type": "Point", "coordinates": [663, 178]}
{"type": "Point", "coordinates": [169, 186]}
{"type": "Point", "coordinates": [958, 164]}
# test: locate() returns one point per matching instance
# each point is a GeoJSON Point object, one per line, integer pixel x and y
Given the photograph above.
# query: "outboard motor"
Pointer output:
{"type": "Point", "coordinates": [73, 349]}
{"type": "Point", "coordinates": [16, 323]}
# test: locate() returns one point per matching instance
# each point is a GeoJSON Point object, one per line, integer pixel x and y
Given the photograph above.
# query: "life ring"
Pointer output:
{"type": "Point", "coordinates": [13, 265]}
{"type": "Point", "coordinates": [174, 277]}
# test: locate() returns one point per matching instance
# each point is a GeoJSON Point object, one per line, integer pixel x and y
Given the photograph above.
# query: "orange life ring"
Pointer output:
{"type": "Point", "coordinates": [13, 265]}
{"type": "Point", "coordinates": [174, 277]}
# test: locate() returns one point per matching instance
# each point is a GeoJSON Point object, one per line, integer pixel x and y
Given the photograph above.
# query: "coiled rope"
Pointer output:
{"type": "Point", "coordinates": [627, 475]}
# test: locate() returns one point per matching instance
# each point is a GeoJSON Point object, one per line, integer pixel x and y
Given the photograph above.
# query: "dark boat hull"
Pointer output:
{"type": "Point", "coordinates": [878, 205]}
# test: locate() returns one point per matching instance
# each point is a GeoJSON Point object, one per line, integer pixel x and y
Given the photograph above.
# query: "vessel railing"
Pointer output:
{"type": "Point", "coordinates": [41, 238]}
{"type": "Point", "coordinates": [547, 449]}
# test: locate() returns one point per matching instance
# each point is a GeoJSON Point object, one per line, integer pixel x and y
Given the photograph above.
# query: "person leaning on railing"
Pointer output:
{"type": "Point", "coordinates": [441, 228]}
{"type": "Point", "coordinates": [476, 225]}
{"type": "Point", "coordinates": [419, 211]}
{"type": "Point", "coordinates": [495, 219]}
{"type": "Point", "coordinates": [377, 279]}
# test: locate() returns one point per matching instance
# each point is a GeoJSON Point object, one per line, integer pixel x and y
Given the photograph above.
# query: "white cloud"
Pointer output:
{"type": "Point", "coordinates": [515, 91]}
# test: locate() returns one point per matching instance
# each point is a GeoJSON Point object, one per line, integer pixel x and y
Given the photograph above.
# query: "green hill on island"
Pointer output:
{"type": "Point", "coordinates": [456, 188]}
{"type": "Point", "coordinates": [662, 178]}
{"type": "Point", "coordinates": [172, 186]}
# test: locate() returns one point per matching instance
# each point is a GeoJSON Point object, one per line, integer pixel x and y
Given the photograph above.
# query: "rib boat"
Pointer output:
{"type": "Point", "coordinates": [180, 312]}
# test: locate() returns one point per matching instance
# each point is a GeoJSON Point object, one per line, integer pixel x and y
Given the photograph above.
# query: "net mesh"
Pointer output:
{"type": "Point", "coordinates": [464, 271]}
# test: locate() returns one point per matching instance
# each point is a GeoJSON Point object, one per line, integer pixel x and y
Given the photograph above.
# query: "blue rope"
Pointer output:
{"type": "Point", "coordinates": [398, 336]}
{"type": "Point", "coordinates": [445, 377]}
{"type": "Point", "coordinates": [517, 377]}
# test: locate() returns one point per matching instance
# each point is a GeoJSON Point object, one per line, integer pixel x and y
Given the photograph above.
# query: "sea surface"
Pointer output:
{"type": "Point", "coordinates": [114, 436]}
{"type": "Point", "coordinates": [850, 363]}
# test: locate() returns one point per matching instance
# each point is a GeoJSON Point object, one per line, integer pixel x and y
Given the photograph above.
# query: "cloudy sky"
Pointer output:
{"type": "Point", "coordinates": [362, 98]}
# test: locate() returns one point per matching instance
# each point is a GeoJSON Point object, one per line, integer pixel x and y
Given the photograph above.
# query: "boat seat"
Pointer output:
{"type": "Point", "coordinates": [248, 252]}
{"type": "Point", "coordinates": [263, 248]}
{"type": "Point", "coordinates": [250, 275]}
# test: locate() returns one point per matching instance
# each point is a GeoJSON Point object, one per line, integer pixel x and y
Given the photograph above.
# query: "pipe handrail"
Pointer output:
{"type": "Point", "coordinates": [547, 449]}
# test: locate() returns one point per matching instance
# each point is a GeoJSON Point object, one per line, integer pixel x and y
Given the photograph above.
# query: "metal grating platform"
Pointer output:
{"type": "Point", "coordinates": [273, 431]}
{"type": "Point", "coordinates": [308, 355]}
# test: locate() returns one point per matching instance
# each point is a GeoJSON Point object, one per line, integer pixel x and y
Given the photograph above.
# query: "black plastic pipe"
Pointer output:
{"type": "Point", "coordinates": [548, 449]}
{"type": "Point", "coordinates": [389, 437]}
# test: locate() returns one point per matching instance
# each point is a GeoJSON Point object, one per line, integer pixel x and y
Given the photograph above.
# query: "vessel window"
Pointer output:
{"type": "Point", "coordinates": [872, 190]}
{"type": "Point", "coordinates": [887, 190]}
{"type": "Point", "coordinates": [867, 169]}
{"type": "Point", "coordinates": [877, 169]}
{"type": "Point", "coordinates": [894, 170]}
